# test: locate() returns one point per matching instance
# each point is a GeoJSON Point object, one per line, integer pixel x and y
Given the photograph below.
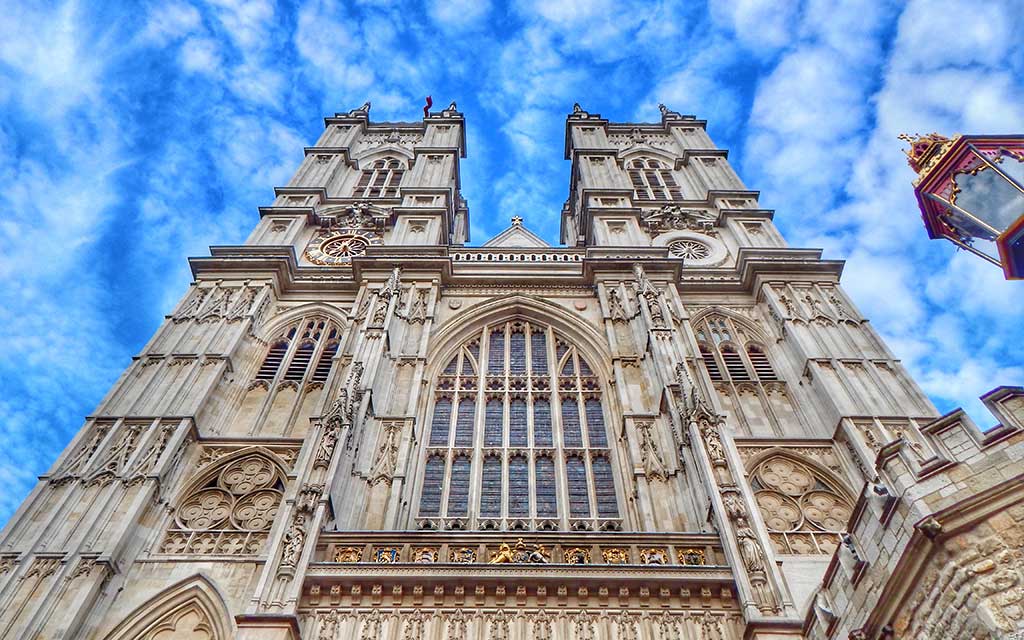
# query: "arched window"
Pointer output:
{"type": "Point", "coordinates": [380, 180]}
{"type": "Point", "coordinates": [652, 180]}
{"type": "Point", "coordinates": [301, 344]}
{"type": "Point", "coordinates": [804, 510]}
{"type": "Point", "coordinates": [729, 355]}
{"type": "Point", "coordinates": [542, 439]}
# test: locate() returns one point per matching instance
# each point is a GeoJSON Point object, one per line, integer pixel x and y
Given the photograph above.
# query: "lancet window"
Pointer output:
{"type": "Point", "coordinates": [805, 511]}
{"type": "Point", "coordinates": [518, 437]}
{"type": "Point", "coordinates": [652, 180]}
{"type": "Point", "coordinates": [308, 347]}
{"type": "Point", "coordinates": [728, 355]}
{"type": "Point", "coordinates": [380, 179]}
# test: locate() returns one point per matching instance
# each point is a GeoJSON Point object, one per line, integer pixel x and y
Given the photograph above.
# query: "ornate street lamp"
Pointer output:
{"type": "Point", "coordinates": [971, 192]}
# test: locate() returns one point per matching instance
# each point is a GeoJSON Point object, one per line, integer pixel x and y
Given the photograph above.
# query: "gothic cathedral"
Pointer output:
{"type": "Point", "coordinates": [671, 427]}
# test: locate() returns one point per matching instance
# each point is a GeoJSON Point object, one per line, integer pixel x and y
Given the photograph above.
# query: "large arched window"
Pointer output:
{"type": "Point", "coordinates": [652, 180]}
{"type": "Point", "coordinates": [380, 179]}
{"type": "Point", "coordinates": [517, 437]}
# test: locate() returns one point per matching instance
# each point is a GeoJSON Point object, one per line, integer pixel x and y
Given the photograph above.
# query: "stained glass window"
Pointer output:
{"type": "Point", "coordinates": [519, 474]}
{"type": "Point", "coordinates": [490, 492]}
{"type": "Point", "coordinates": [518, 486]}
{"type": "Point", "coordinates": [517, 436]}
{"type": "Point", "coordinates": [433, 477]}
{"type": "Point", "coordinates": [458, 491]}
{"type": "Point", "coordinates": [492, 423]}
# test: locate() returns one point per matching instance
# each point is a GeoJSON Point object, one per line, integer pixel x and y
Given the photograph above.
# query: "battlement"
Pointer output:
{"type": "Point", "coordinates": [939, 527]}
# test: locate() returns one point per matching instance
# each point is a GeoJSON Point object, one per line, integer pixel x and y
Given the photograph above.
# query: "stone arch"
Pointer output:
{"type": "Point", "coordinates": [754, 334]}
{"type": "Point", "coordinates": [229, 507]}
{"type": "Point", "coordinates": [272, 326]}
{"type": "Point", "coordinates": [804, 505]}
{"type": "Point", "coordinates": [644, 151]}
{"type": "Point", "coordinates": [387, 150]}
{"type": "Point", "coordinates": [450, 336]}
{"type": "Point", "coordinates": [192, 609]}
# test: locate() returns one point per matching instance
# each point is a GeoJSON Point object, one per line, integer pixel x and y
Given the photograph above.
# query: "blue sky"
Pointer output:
{"type": "Point", "coordinates": [133, 136]}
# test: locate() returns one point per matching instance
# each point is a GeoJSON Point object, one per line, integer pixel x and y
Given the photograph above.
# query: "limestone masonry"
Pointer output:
{"type": "Point", "coordinates": [673, 427]}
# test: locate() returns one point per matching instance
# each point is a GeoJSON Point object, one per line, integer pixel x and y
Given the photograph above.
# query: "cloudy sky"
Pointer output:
{"type": "Point", "coordinates": [132, 137]}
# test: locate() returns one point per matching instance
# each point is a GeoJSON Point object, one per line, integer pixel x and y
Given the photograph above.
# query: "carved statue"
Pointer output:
{"type": "Point", "coordinates": [503, 555]}
{"type": "Point", "coordinates": [713, 444]}
{"type": "Point", "coordinates": [328, 625]}
{"type": "Point", "coordinates": [293, 541]}
{"type": "Point", "coordinates": [750, 550]}
{"type": "Point", "coordinates": [734, 507]}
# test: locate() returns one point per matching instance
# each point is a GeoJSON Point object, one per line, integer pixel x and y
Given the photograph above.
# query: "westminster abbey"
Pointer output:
{"type": "Point", "coordinates": [673, 426]}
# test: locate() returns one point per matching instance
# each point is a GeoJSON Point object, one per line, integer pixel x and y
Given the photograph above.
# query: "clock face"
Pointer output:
{"type": "Point", "coordinates": [339, 247]}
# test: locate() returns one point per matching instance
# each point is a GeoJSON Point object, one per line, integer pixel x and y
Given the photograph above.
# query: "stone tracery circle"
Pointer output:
{"type": "Point", "coordinates": [781, 513]}
{"type": "Point", "coordinates": [826, 510]}
{"type": "Point", "coordinates": [688, 249]}
{"type": "Point", "coordinates": [206, 509]}
{"type": "Point", "coordinates": [256, 511]}
{"type": "Point", "coordinates": [786, 476]}
{"type": "Point", "coordinates": [247, 474]}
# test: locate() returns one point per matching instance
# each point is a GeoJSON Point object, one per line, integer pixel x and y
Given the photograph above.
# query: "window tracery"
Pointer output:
{"type": "Point", "coordinates": [652, 180]}
{"type": "Point", "coordinates": [728, 354]}
{"type": "Point", "coordinates": [804, 511]}
{"type": "Point", "coordinates": [311, 341]}
{"type": "Point", "coordinates": [230, 510]}
{"type": "Point", "coordinates": [511, 446]}
{"type": "Point", "coordinates": [380, 179]}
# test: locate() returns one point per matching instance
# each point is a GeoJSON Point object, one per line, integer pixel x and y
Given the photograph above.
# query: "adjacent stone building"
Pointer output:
{"type": "Point", "coordinates": [672, 427]}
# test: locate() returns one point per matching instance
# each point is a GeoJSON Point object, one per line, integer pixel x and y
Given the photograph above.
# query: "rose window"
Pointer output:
{"type": "Point", "coordinates": [689, 249]}
{"type": "Point", "coordinates": [804, 511]}
{"type": "Point", "coordinates": [344, 246]}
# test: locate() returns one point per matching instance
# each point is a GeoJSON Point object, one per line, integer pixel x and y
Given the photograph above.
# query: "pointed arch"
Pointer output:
{"type": "Point", "coordinates": [450, 336]}
{"type": "Point", "coordinates": [830, 477]}
{"type": "Point", "coordinates": [753, 333]}
{"type": "Point", "coordinates": [192, 609]}
{"type": "Point", "coordinates": [278, 323]}
{"type": "Point", "coordinates": [384, 151]}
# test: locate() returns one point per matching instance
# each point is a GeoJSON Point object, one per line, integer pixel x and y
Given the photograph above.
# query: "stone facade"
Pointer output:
{"type": "Point", "coordinates": [672, 427]}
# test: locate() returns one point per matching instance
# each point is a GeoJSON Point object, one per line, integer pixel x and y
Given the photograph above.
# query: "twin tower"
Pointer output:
{"type": "Point", "coordinates": [671, 427]}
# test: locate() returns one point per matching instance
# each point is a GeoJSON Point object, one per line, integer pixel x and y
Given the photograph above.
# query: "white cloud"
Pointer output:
{"type": "Point", "coordinates": [458, 15]}
{"type": "Point", "coordinates": [201, 55]}
{"type": "Point", "coordinates": [169, 21]}
{"type": "Point", "coordinates": [761, 25]}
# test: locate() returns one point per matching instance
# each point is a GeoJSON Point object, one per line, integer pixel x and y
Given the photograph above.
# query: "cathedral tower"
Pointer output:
{"type": "Point", "coordinates": [672, 427]}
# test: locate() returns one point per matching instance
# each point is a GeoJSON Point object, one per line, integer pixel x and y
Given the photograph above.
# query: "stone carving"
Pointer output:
{"type": "Point", "coordinates": [616, 310]}
{"type": "Point", "coordinates": [457, 626]}
{"type": "Point", "coordinates": [650, 459]}
{"type": "Point", "coordinates": [387, 456]}
{"type": "Point", "coordinates": [519, 553]}
{"type": "Point", "coordinates": [615, 555]}
{"type": "Point", "coordinates": [192, 307]}
{"type": "Point", "coordinates": [231, 512]}
{"type": "Point", "coordinates": [463, 555]}
{"type": "Point", "coordinates": [653, 555]}
{"type": "Point", "coordinates": [220, 302]}
{"type": "Point", "coordinates": [80, 458]}
{"type": "Point", "coordinates": [691, 557]}
{"type": "Point", "coordinates": [386, 555]}
{"type": "Point", "coordinates": [348, 554]}
{"type": "Point", "coordinates": [294, 538]}
{"type": "Point", "coordinates": [309, 497]}
{"type": "Point", "coordinates": [243, 302]}
{"type": "Point", "coordinates": [418, 307]}
{"type": "Point", "coordinates": [576, 555]}
{"type": "Point", "coordinates": [672, 217]}
{"type": "Point", "coordinates": [646, 291]}
{"type": "Point", "coordinates": [711, 628]}
{"type": "Point", "coordinates": [328, 625]}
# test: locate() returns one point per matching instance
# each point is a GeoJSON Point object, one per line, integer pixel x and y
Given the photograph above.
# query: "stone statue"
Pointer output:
{"type": "Point", "coordinates": [293, 541]}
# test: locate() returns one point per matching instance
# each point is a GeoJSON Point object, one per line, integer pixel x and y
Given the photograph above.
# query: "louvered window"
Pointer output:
{"type": "Point", "coordinates": [490, 491]}
{"type": "Point", "coordinates": [380, 180]}
{"type": "Point", "coordinates": [542, 423]}
{"type": "Point", "coordinates": [518, 486]}
{"type": "Point", "coordinates": [458, 491]}
{"type": "Point", "coordinates": [653, 181]}
{"type": "Point", "coordinates": [520, 440]}
{"type": "Point", "coordinates": [517, 436]}
{"type": "Point", "coordinates": [734, 364]}
{"type": "Point", "coordinates": [433, 479]}
{"type": "Point", "coordinates": [547, 492]}
{"type": "Point", "coordinates": [604, 488]}
{"type": "Point", "coordinates": [492, 423]}
{"type": "Point", "coordinates": [300, 362]}
{"type": "Point", "coordinates": [571, 434]}
{"type": "Point", "coordinates": [271, 364]}
{"type": "Point", "coordinates": [759, 361]}
{"type": "Point", "coordinates": [441, 423]}
{"type": "Point", "coordinates": [323, 364]}
{"type": "Point", "coordinates": [579, 498]}
{"type": "Point", "coordinates": [710, 363]}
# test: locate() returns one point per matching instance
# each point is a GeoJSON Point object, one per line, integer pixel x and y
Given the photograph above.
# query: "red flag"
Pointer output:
{"type": "Point", "coordinates": [426, 109]}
